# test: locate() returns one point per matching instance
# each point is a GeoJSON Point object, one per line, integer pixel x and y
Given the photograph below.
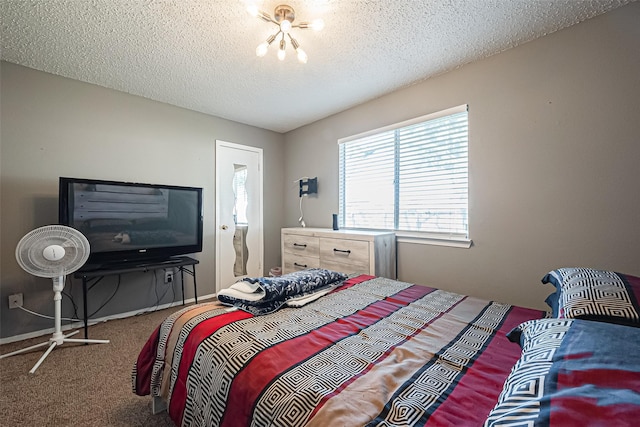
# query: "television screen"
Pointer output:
{"type": "Point", "coordinates": [127, 222]}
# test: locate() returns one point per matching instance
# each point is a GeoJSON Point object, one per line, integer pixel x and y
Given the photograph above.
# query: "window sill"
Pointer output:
{"type": "Point", "coordinates": [454, 242]}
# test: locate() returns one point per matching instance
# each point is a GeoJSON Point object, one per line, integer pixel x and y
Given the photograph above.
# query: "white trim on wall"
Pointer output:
{"type": "Point", "coordinates": [80, 324]}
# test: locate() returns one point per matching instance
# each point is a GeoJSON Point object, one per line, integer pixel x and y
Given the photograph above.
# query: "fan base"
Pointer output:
{"type": "Point", "coordinates": [53, 342]}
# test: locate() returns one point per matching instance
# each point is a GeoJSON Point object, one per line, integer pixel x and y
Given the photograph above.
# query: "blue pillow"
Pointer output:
{"type": "Point", "coordinates": [571, 373]}
{"type": "Point", "coordinates": [552, 301]}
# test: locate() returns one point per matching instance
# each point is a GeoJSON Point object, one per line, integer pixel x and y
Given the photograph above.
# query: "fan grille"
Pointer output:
{"type": "Point", "coordinates": [29, 252]}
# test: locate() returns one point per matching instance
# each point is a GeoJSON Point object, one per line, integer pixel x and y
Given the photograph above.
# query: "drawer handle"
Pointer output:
{"type": "Point", "coordinates": [348, 251]}
{"type": "Point", "coordinates": [300, 245]}
{"type": "Point", "coordinates": [300, 265]}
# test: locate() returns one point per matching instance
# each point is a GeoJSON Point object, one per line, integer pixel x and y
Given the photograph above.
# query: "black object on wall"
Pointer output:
{"type": "Point", "coordinates": [308, 186]}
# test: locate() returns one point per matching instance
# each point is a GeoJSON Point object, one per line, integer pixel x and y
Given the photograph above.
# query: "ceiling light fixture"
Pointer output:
{"type": "Point", "coordinates": [283, 17]}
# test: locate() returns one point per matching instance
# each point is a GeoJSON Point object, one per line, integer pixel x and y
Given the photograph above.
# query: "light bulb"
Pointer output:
{"type": "Point", "coordinates": [302, 56]}
{"type": "Point", "coordinates": [254, 11]}
{"type": "Point", "coordinates": [285, 26]}
{"type": "Point", "coordinates": [262, 48]}
{"type": "Point", "coordinates": [317, 24]}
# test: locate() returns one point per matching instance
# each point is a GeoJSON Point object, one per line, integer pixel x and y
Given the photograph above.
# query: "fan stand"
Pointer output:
{"type": "Point", "coordinates": [58, 338]}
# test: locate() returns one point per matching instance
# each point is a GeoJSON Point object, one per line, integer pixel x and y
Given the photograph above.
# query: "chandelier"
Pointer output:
{"type": "Point", "coordinates": [283, 17]}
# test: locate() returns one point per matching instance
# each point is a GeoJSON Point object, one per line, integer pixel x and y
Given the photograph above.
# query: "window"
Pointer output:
{"type": "Point", "coordinates": [410, 177]}
{"type": "Point", "coordinates": [240, 194]}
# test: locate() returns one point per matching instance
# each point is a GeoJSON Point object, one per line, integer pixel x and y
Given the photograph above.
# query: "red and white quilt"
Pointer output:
{"type": "Point", "coordinates": [374, 351]}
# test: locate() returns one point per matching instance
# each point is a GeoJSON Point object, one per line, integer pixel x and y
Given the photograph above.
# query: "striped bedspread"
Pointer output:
{"type": "Point", "coordinates": [373, 352]}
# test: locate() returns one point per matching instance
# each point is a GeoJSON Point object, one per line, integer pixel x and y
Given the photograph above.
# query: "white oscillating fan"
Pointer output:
{"type": "Point", "coordinates": [53, 251]}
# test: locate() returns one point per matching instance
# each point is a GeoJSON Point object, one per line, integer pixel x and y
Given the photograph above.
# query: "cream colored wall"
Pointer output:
{"type": "Point", "coordinates": [53, 126]}
{"type": "Point", "coordinates": [554, 160]}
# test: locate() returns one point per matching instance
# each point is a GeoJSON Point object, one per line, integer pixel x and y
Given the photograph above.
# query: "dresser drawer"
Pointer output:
{"type": "Point", "coordinates": [301, 245]}
{"type": "Point", "coordinates": [345, 268]}
{"type": "Point", "coordinates": [296, 263]}
{"type": "Point", "coordinates": [342, 251]}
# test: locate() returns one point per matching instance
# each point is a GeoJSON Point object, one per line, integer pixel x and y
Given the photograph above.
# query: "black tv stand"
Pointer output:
{"type": "Point", "coordinates": [170, 261]}
{"type": "Point", "coordinates": [132, 264]}
{"type": "Point", "coordinates": [90, 272]}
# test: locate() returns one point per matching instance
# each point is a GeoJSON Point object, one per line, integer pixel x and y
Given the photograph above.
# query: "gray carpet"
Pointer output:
{"type": "Point", "coordinates": [77, 384]}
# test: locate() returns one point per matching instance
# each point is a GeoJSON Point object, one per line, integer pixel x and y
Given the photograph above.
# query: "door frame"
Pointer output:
{"type": "Point", "coordinates": [259, 228]}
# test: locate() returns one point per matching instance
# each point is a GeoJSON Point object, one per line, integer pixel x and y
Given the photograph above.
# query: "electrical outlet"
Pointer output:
{"type": "Point", "coordinates": [15, 301]}
{"type": "Point", "coordinates": [168, 276]}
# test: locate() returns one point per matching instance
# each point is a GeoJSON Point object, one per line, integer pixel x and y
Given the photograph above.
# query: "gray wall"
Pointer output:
{"type": "Point", "coordinates": [554, 155]}
{"type": "Point", "coordinates": [554, 174]}
{"type": "Point", "coordinates": [53, 126]}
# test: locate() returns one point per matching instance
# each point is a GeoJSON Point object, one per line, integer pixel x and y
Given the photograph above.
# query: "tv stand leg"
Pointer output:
{"type": "Point", "coordinates": [84, 303]}
{"type": "Point", "coordinates": [192, 272]}
{"type": "Point", "coordinates": [195, 288]}
{"type": "Point", "coordinates": [182, 282]}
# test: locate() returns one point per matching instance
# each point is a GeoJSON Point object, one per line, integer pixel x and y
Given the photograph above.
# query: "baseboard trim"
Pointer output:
{"type": "Point", "coordinates": [80, 324]}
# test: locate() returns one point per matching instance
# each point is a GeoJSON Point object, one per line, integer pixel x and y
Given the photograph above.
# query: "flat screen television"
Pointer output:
{"type": "Point", "coordinates": [132, 223]}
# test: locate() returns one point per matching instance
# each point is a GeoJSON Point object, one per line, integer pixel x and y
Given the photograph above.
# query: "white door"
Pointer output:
{"type": "Point", "coordinates": [239, 233]}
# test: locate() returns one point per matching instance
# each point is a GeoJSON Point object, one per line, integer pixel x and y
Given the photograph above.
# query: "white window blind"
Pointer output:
{"type": "Point", "coordinates": [412, 176]}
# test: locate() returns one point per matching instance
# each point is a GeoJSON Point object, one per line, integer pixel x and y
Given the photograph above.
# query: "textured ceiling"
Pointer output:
{"type": "Point", "coordinates": [200, 54]}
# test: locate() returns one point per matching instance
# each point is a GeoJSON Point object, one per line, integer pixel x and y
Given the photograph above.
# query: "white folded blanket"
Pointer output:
{"type": "Point", "coordinates": [244, 290]}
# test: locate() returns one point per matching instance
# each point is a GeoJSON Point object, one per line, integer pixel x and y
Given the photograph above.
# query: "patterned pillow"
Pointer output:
{"type": "Point", "coordinates": [585, 293]}
{"type": "Point", "coordinates": [571, 373]}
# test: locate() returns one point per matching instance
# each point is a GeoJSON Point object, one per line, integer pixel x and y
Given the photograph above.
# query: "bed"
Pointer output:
{"type": "Point", "coordinates": [369, 351]}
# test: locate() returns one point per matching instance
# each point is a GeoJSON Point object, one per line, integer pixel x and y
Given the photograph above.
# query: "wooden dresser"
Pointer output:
{"type": "Point", "coordinates": [347, 251]}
